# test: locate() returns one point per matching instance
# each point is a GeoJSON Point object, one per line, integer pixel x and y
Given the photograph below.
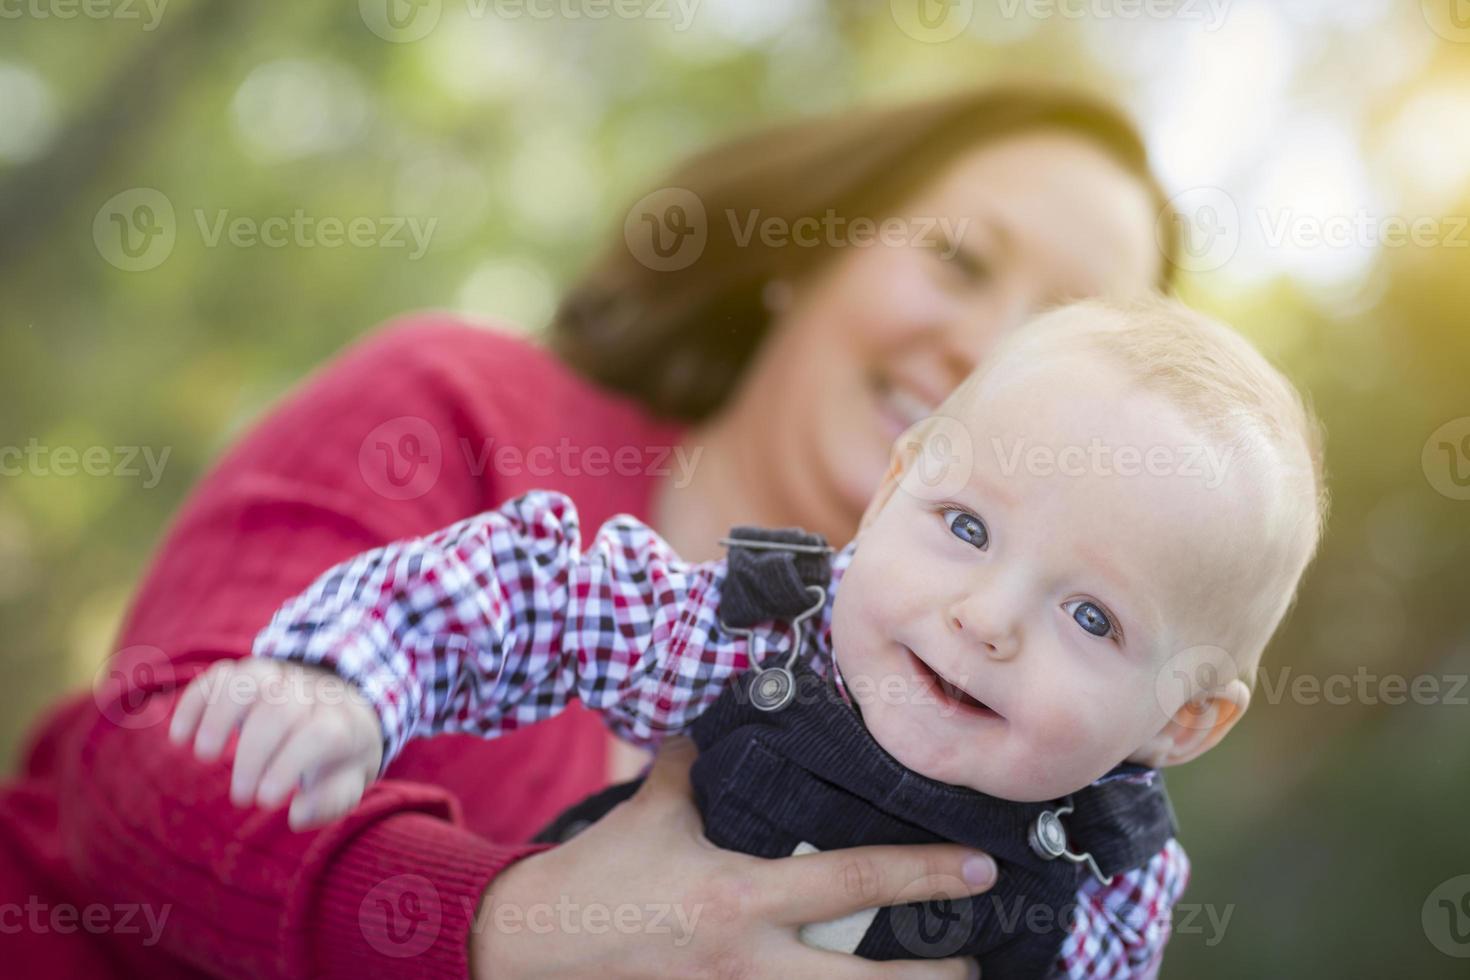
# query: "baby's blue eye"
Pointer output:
{"type": "Point", "coordinates": [968, 528]}
{"type": "Point", "coordinates": [1090, 617]}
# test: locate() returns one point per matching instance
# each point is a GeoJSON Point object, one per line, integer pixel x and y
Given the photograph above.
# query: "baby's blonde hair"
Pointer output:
{"type": "Point", "coordinates": [1232, 395]}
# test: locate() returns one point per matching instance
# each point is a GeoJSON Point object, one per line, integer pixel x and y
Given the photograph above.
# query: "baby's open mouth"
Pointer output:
{"type": "Point", "coordinates": [950, 694]}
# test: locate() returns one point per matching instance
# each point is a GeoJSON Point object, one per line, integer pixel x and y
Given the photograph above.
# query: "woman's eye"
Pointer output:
{"type": "Point", "coordinates": [1091, 617]}
{"type": "Point", "coordinates": [966, 263]}
{"type": "Point", "coordinates": [968, 528]}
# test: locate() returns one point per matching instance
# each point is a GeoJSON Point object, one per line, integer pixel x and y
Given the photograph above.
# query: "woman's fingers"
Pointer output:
{"type": "Point", "coordinates": [830, 884]}
{"type": "Point", "coordinates": [338, 791]}
{"type": "Point", "coordinates": [808, 962]}
{"type": "Point", "coordinates": [670, 770]}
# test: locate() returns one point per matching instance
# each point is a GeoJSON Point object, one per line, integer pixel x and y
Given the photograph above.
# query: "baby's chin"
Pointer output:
{"type": "Point", "coordinates": [964, 761]}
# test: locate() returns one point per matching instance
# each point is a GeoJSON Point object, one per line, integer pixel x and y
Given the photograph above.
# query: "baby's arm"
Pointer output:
{"type": "Point", "coordinates": [490, 624]}
{"type": "Point", "coordinates": [1120, 929]}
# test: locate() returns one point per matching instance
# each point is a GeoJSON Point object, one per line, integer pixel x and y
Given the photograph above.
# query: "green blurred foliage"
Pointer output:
{"type": "Point", "coordinates": [1320, 828]}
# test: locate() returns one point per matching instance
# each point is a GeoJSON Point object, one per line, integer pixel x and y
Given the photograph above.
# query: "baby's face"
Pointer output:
{"type": "Point", "coordinates": [1049, 574]}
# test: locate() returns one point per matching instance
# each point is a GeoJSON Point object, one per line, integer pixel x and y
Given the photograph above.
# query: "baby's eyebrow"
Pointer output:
{"type": "Point", "coordinates": [1119, 581]}
{"type": "Point", "coordinates": [988, 488]}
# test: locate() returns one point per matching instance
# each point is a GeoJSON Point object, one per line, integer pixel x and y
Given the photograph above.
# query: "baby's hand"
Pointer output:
{"type": "Point", "coordinates": [301, 728]}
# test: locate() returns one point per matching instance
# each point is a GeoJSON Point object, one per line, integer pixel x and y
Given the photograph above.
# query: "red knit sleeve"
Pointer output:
{"type": "Point", "coordinates": [365, 453]}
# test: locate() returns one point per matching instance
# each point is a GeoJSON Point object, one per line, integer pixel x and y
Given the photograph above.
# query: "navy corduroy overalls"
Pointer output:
{"type": "Point", "coordinates": [810, 776]}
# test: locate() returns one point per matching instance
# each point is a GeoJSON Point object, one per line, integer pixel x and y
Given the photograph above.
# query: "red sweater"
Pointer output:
{"type": "Point", "coordinates": [109, 830]}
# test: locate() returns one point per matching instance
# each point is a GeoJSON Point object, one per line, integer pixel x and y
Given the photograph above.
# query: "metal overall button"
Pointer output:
{"type": "Point", "coordinates": [772, 688]}
{"type": "Point", "coordinates": [1048, 840]}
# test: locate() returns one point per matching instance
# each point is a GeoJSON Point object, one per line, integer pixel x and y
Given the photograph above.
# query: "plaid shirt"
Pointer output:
{"type": "Point", "coordinates": [497, 621]}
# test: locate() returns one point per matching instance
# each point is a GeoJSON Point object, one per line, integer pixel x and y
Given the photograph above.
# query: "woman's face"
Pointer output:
{"type": "Point", "coordinates": [874, 339]}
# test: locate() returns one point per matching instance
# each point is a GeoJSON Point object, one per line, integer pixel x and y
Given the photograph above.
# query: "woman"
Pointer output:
{"type": "Point", "coordinates": [761, 383]}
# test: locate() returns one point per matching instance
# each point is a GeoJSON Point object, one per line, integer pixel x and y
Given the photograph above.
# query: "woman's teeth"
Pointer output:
{"type": "Point", "coordinates": [904, 405]}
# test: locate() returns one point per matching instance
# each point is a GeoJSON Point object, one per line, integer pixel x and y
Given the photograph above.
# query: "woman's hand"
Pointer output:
{"type": "Point", "coordinates": [300, 727]}
{"type": "Point", "coordinates": [642, 893]}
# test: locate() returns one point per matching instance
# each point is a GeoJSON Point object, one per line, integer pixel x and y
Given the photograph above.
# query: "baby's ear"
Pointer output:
{"type": "Point", "coordinates": [1197, 726]}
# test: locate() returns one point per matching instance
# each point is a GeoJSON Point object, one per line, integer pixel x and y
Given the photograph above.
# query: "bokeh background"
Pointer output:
{"type": "Point", "coordinates": [1320, 152]}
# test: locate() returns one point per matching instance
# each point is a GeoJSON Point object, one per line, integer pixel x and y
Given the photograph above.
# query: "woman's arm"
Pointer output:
{"type": "Point", "coordinates": [142, 821]}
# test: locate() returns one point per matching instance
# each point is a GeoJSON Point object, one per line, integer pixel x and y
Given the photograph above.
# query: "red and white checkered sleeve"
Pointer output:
{"type": "Point", "coordinates": [499, 620]}
{"type": "Point", "coordinates": [1119, 930]}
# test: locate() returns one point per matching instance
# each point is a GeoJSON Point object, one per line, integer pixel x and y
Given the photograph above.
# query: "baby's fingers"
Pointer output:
{"type": "Point", "coordinates": [325, 742]}
{"type": "Point", "coordinates": [190, 707]}
{"type": "Point", "coordinates": [338, 792]}
{"type": "Point", "coordinates": [265, 731]}
{"type": "Point", "coordinates": [225, 704]}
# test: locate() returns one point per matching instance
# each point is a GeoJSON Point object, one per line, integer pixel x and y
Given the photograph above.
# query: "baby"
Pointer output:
{"type": "Point", "coordinates": [1064, 584]}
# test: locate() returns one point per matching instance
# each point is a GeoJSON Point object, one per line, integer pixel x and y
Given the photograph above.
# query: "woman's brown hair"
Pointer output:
{"type": "Point", "coordinates": [677, 341]}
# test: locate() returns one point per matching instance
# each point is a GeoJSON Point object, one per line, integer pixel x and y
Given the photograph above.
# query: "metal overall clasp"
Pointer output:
{"type": "Point", "coordinates": [1049, 840]}
{"type": "Point", "coordinates": [772, 688]}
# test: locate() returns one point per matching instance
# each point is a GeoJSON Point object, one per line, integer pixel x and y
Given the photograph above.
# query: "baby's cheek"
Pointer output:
{"type": "Point", "coordinates": [1081, 734]}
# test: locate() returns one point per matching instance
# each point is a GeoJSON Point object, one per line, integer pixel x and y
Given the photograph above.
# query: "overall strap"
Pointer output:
{"type": "Point", "coordinates": [768, 573]}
